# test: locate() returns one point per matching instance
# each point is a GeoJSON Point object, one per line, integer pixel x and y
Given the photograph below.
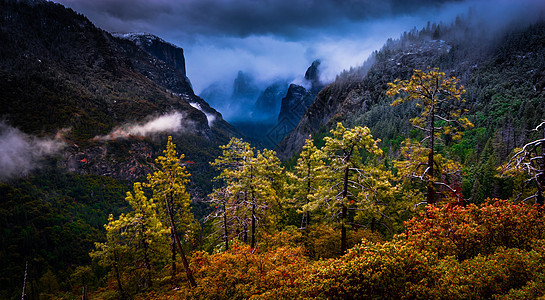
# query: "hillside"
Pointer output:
{"type": "Point", "coordinates": [62, 75]}
{"type": "Point", "coordinates": [502, 71]}
{"type": "Point", "coordinates": [84, 113]}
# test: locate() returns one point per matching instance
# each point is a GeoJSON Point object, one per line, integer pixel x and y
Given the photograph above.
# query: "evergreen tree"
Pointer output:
{"type": "Point", "coordinates": [440, 99]}
{"type": "Point", "coordinates": [307, 178]}
{"type": "Point", "coordinates": [135, 242]}
{"type": "Point", "coordinates": [169, 191]}
{"type": "Point", "coordinates": [349, 183]}
{"type": "Point", "coordinates": [248, 188]}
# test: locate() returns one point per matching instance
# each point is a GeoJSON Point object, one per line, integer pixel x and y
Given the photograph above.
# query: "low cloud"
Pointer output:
{"type": "Point", "coordinates": [21, 153]}
{"type": "Point", "coordinates": [168, 123]}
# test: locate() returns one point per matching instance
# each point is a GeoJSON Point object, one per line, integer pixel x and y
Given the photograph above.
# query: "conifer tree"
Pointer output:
{"type": "Point", "coordinates": [307, 178]}
{"type": "Point", "coordinates": [440, 98]}
{"type": "Point", "coordinates": [169, 191]}
{"type": "Point", "coordinates": [136, 241]}
{"type": "Point", "coordinates": [349, 183]}
{"type": "Point", "coordinates": [247, 190]}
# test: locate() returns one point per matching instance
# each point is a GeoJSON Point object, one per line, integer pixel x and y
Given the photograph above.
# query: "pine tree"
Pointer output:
{"type": "Point", "coordinates": [247, 191]}
{"type": "Point", "coordinates": [307, 177]}
{"type": "Point", "coordinates": [135, 242]}
{"type": "Point", "coordinates": [440, 99]}
{"type": "Point", "coordinates": [169, 191]}
{"type": "Point", "coordinates": [349, 183]}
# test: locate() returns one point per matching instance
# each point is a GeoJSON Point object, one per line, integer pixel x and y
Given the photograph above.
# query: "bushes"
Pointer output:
{"type": "Point", "coordinates": [240, 272]}
{"type": "Point", "coordinates": [491, 251]}
{"type": "Point", "coordinates": [465, 232]}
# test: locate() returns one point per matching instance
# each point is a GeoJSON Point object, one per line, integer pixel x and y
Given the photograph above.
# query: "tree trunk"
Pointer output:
{"type": "Point", "coordinates": [24, 281]}
{"type": "Point", "coordinates": [118, 276]}
{"type": "Point", "coordinates": [309, 189]}
{"type": "Point", "coordinates": [225, 230]}
{"type": "Point", "coordinates": [252, 241]}
{"type": "Point", "coordinates": [179, 244]}
{"type": "Point", "coordinates": [541, 177]}
{"type": "Point", "coordinates": [173, 256]}
{"type": "Point", "coordinates": [343, 211]}
{"type": "Point", "coordinates": [430, 196]}
{"type": "Point", "coordinates": [147, 263]}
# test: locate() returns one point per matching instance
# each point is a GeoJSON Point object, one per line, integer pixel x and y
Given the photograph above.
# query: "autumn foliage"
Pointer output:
{"type": "Point", "coordinates": [492, 251]}
{"type": "Point", "coordinates": [451, 252]}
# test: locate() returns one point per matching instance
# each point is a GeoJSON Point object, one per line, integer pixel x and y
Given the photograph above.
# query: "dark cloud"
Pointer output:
{"type": "Point", "coordinates": [242, 18]}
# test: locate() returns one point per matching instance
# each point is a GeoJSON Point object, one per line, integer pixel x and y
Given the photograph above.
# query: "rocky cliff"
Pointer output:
{"type": "Point", "coordinates": [61, 75]}
{"type": "Point", "coordinates": [298, 98]}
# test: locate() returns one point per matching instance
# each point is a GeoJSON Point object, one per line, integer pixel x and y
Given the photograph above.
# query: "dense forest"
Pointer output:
{"type": "Point", "coordinates": [418, 175]}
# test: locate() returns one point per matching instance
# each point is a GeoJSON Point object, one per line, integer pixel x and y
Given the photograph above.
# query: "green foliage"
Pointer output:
{"type": "Point", "coordinates": [250, 191]}
{"type": "Point", "coordinates": [168, 184]}
{"type": "Point", "coordinates": [52, 220]}
{"type": "Point", "coordinates": [136, 244]}
{"type": "Point", "coordinates": [306, 179]}
{"type": "Point", "coordinates": [347, 182]}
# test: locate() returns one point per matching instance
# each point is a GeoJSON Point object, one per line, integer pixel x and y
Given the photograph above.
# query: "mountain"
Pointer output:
{"type": "Point", "coordinates": [268, 103]}
{"type": "Point", "coordinates": [62, 76]}
{"type": "Point", "coordinates": [298, 99]}
{"type": "Point", "coordinates": [250, 105]}
{"type": "Point", "coordinates": [156, 47]}
{"type": "Point", "coordinates": [501, 70]}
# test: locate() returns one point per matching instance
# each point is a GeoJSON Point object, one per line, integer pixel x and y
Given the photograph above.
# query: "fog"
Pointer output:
{"type": "Point", "coordinates": [168, 123]}
{"type": "Point", "coordinates": [281, 38]}
{"type": "Point", "coordinates": [21, 153]}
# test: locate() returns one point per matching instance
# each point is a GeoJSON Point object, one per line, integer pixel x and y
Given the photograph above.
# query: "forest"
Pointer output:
{"type": "Point", "coordinates": [342, 221]}
{"type": "Point", "coordinates": [420, 176]}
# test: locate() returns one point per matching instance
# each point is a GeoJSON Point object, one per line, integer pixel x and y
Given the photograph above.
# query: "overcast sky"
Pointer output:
{"type": "Point", "coordinates": [278, 38]}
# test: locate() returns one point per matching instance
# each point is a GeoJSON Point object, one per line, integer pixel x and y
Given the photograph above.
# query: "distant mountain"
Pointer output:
{"type": "Point", "coordinates": [251, 106]}
{"type": "Point", "coordinates": [61, 75]}
{"type": "Point", "coordinates": [503, 72]}
{"type": "Point", "coordinates": [268, 101]}
{"type": "Point", "coordinates": [299, 98]}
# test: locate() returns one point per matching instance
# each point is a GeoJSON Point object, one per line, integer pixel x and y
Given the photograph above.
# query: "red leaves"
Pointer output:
{"type": "Point", "coordinates": [467, 231]}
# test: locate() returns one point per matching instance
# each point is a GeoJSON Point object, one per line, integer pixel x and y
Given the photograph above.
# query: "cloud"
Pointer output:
{"type": "Point", "coordinates": [21, 153]}
{"type": "Point", "coordinates": [168, 123]}
{"type": "Point", "coordinates": [242, 18]}
{"type": "Point", "coordinates": [280, 38]}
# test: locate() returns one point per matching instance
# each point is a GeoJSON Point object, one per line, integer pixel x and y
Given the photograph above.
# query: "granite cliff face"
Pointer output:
{"type": "Point", "coordinates": [269, 101]}
{"type": "Point", "coordinates": [298, 98]}
{"type": "Point", "coordinates": [61, 74]}
{"type": "Point", "coordinates": [157, 47]}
